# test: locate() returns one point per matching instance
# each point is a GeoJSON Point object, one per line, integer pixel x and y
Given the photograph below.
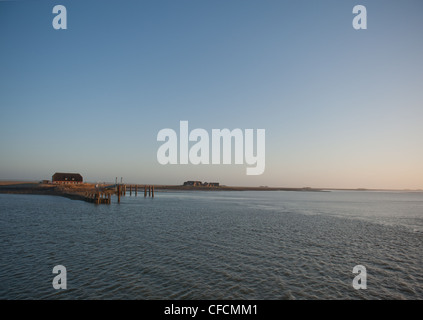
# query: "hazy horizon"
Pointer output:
{"type": "Point", "coordinates": [342, 108]}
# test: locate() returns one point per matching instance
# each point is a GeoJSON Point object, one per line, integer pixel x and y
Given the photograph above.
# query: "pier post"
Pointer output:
{"type": "Point", "coordinates": [130, 190]}
{"type": "Point", "coordinates": [136, 190]}
{"type": "Point", "coordinates": [152, 191]}
{"type": "Point", "coordinates": [149, 191]}
{"type": "Point", "coordinates": [119, 193]}
{"type": "Point", "coordinates": [145, 191]}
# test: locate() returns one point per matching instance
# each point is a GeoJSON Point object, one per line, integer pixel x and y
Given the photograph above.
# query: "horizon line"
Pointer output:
{"type": "Point", "coordinates": [263, 187]}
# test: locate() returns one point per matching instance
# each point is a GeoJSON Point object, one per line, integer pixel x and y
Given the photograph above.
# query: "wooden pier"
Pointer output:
{"type": "Point", "coordinates": [99, 197]}
{"type": "Point", "coordinates": [121, 190]}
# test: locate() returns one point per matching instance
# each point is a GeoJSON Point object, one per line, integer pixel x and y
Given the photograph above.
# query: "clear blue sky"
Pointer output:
{"type": "Point", "coordinates": [341, 107]}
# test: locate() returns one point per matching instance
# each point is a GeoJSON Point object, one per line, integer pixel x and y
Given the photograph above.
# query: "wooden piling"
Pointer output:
{"type": "Point", "coordinates": [130, 190]}
{"type": "Point", "coordinates": [152, 191]}
{"type": "Point", "coordinates": [119, 191]}
{"type": "Point", "coordinates": [136, 190]}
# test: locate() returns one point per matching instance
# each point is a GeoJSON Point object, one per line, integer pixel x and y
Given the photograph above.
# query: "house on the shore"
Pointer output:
{"type": "Point", "coordinates": [213, 184]}
{"type": "Point", "coordinates": [66, 178]}
{"type": "Point", "coordinates": [193, 183]}
{"type": "Point", "coordinates": [200, 184]}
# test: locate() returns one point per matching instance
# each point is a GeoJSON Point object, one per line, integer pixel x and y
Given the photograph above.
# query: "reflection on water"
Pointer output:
{"type": "Point", "coordinates": [214, 245]}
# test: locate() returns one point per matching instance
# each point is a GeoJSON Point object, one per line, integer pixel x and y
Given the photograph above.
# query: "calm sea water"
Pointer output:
{"type": "Point", "coordinates": [214, 245]}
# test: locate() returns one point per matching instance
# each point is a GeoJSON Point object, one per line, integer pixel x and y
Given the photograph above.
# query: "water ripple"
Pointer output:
{"type": "Point", "coordinates": [213, 246]}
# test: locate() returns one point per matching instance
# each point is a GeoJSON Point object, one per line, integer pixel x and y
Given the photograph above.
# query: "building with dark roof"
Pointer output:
{"type": "Point", "coordinates": [201, 184]}
{"type": "Point", "coordinates": [193, 183]}
{"type": "Point", "coordinates": [213, 184]}
{"type": "Point", "coordinates": [66, 178]}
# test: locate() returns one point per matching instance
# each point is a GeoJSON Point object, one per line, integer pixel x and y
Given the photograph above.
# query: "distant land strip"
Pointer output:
{"type": "Point", "coordinates": [79, 191]}
{"type": "Point", "coordinates": [74, 191]}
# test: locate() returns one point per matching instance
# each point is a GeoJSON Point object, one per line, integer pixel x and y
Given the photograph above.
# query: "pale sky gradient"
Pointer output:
{"type": "Point", "coordinates": [341, 108]}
